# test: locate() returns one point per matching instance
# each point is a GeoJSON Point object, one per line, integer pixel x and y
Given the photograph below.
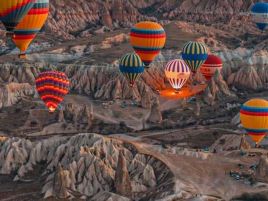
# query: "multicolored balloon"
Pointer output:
{"type": "Point", "coordinates": [194, 55]}
{"type": "Point", "coordinates": [30, 25]}
{"type": "Point", "coordinates": [211, 65]}
{"type": "Point", "coordinates": [260, 15]}
{"type": "Point", "coordinates": [132, 67]}
{"type": "Point", "coordinates": [254, 118]}
{"type": "Point", "coordinates": [52, 86]}
{"type": "Point", "coordinates": [12, 11]}
{"type": "Point", "coordinates": [177, 73]}
{"type": "Point", "coordinates": [147, 39]}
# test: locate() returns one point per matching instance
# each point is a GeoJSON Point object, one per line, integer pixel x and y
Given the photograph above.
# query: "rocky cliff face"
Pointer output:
{"type": "Point", "coordinates": [86, 15]}
{"type": "Point", "coordinates": [81, 15]}
{"type": "Point", "coordinates": [12, 93]}
{"type": "Point", "coordinates": [24, 73]}
{"type": "Point", "coordinates": [84, 165]}
{"type": "Point", "coordinates": [103, 83]}
{"type": "Point", "coordinates": [109, 84]}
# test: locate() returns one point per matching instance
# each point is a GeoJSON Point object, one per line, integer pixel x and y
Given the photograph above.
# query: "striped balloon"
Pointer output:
{"type": "Point", "coordinates": [12, 11]}
{"type": "Point", "coordinates": [177, 73]}
{"type": "Point", "coordinates": [194, 55]}
{"type": "Point", "coordinates": [211, 65]}
{"type": "Point", "coordinates": [254, 118]}
{"type": "Point", "coordinates": [260, 15]}
{"type": "Point", "coordinates": [31, 24]}
{"type": "Point", "coordinates": [52, 86]}
{"type": "Point", "coordinates": [147, 39]}
{"type": "Point", "coordinates": [131, 66]}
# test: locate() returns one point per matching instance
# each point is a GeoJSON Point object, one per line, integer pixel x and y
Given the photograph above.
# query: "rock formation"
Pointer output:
{"type": "Point", "coordinates": [73, 17]}
{"type": "Point", "coordinates": [246, 78]}
{"type": "Point", "coordinates": [67, 20]}
{"type": "Point", "coordinates": [263, 73]}
{"type": "Point", "coordinates": [77, 113]}
{"type": "Point", "coordinates": [24, 74]}
{"type": "Point", "coordinates": [61, 118]}
{"type": "Point", "coordinates": [104, 83]}
{"type": "Point", "coordinates": [61, 183]}
{"type": "Point", "coordinates": [12, 93]}
{"type": "Point", "coordinates": [217, 89]}
{"type": "Point", "coordinates": [236, 120]}
{"type": "Point", "coordinates": [107, 84]}
{"type": "Point", "coordinates": [122, 180]}
{"type": "Point", "coordinates": [155, 113]}
{"type": "Point", "coordinates": [244, 145]}
{"type": "Point", "coordinates": [104, 196]}
{"type": "Point", "coordinates": [227, 143]}
{"type": "Point", "coordinates": [262, 170]}
{"type": "Point", "coordinates": [85, 165]}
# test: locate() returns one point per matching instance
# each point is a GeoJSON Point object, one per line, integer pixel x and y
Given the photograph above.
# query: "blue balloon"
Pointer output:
{"type": "Point", "coordinates": [260, 15]}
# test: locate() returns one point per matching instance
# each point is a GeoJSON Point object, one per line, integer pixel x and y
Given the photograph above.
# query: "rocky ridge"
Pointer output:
{"type": "Point", "coordinates": [101, 83]}
{"type": "Point", "coordinates": [107, 83]}
{"type": "Point", "coordinates": [75, 18]}
{"type": "Point", "coordinates": [85, 165]}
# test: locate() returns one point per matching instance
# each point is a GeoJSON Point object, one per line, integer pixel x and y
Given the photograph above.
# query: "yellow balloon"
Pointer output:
{"type": "Point", "coordinates": [30, 25]}
{"type": "Point", "coordinates": [12, 11]}
{"type": "Point", "coordinates": [254, 118]}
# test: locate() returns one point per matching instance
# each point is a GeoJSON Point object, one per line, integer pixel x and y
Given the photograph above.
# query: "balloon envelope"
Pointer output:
{"type": "Point", "coordinates": [52, 86]}
{"type": "Point", "coordinates": [30, 25]}
{"type": "Point", "coordinates": [177, 73]}
{"type": "Point", "coordinates": [12, 11]}
{"type": "Point", "coordinates": [194, 55]}
{"type": "Point", "coordinates": [260, 15]}
{"type": "Point", "coordinates": [131, 66]}
{"type": "Point", "coordinates": [254, 118]}
{"type": "Point", "coordinates": [211, 65]}
{"type": "Point", "coordinates": [147, 39]}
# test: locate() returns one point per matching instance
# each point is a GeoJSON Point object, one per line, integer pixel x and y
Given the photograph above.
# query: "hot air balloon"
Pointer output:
{"type": "Point", "coordinates": [260, 15]}
{"type": "Point", "coordinates": [194, 55]}
{"type": "Point", "coordinates": [147, 39]}
{"type": "Point", "coordinates": [254, 118]}
{"type": "Point", "coordinates": [211, 65]}
{"type": "Point", "coordinates": [131, 66]}
{"type": "Point", "coordinates": [177, 73]}
{"type": "Point", "coordinates": [30, 25]}
{"type": "Point", "coordinates": [52, 86]}
{"type": "Point", "coordinates": [12, 11]}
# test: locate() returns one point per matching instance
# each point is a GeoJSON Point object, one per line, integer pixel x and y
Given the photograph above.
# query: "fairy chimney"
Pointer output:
{"type": "Point", "coordinates": [122, 180]}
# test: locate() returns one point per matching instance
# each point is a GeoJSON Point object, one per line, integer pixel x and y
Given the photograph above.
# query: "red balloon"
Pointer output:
{"type": "Point", "coordinates": [52, 86]}
{"type": "Point", "coordinates": [212, 64]}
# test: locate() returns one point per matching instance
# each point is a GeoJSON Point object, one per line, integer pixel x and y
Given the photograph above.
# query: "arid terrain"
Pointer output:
{"type": "Point", "coordinates": [110, 142]}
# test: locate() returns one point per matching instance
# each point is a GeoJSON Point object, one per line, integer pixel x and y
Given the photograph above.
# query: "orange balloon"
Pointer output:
{"type": "Point", "coordinates": [147, 39]}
